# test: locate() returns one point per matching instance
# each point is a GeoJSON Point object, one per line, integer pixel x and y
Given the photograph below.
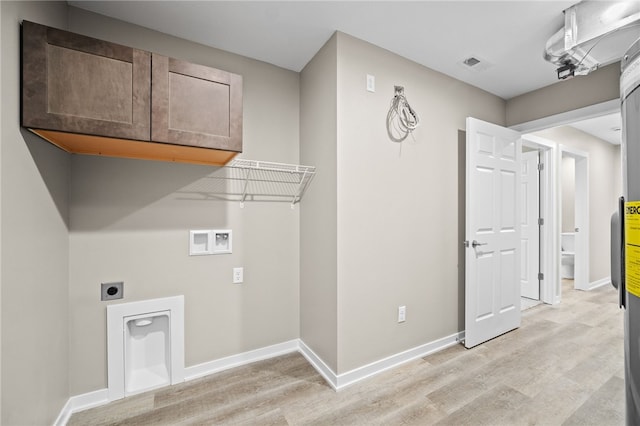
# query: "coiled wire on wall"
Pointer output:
{"type": "Point", "coordinates": [401, 118]}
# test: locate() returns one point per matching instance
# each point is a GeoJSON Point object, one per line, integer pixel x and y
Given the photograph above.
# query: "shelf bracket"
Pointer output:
{"type": "Point", "coordinates": [244, 189]}
{"type": "Point", "coordinates": [301, 187]}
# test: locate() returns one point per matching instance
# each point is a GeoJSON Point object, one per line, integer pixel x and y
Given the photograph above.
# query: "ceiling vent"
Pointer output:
{"type": "Point", "coordinates": [475, 63]}
{"type": "Point", "coordinates": [595, 34]}
{"type": "Point", "coordinates": [471, 62]}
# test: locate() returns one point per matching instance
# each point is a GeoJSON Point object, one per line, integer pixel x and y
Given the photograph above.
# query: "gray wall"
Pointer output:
{"type": "Point", "coordinates": [397, 204]}
{"type": "Point", "coordinates": [35, 245]}
{"type": "Point", "coordinates": [130, 221]}
{"type": "Point", "coordinates": [318, 221]}
{"type": "Point", "coordinates": [604, 189]}
{"type": "Point", "coordinates": [578, 92]}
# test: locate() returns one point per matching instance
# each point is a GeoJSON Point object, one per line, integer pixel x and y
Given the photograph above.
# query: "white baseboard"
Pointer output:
{"type": "Point", "coordinates": [237, 360]}
{"type": "Point", "coordinates": [316, 362]}
{"type": "Point", "coordinates": [340, 381]}
{"type": "Point", "coordinates": [65, 414]}
{"type": "Point", "coordinates": [80, 403]}
{"type": "Point", "coordinates": [101, 397]}
{"type": "Point", "coordinates": [602, 282]}
{"type": "Point", "coordinates": [350, 377]}
{"type": "Point", "coordinates": [337, 382]}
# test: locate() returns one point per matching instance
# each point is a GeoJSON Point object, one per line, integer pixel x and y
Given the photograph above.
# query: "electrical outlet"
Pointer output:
{"type": "Point", "coordinates": [111, 291]}
{"type": "Point", "coordinates": [402, 313]}
{"type": "Point", "coordinates": [238, 275]}
{"type": "Point", "coordinates": [371, 83]}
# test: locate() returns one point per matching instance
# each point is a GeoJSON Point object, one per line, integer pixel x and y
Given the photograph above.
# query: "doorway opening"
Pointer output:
{"type": "Point", "coordinates": [539, 222]}
{"type": "Point", "coordinates": [553, 244]}
{"type": "Point", "coordinates": [551, 248]}
{"type": "Point", "coordinates": [494, 254]}
{"type": "Point", "coordinates": [574, 184]}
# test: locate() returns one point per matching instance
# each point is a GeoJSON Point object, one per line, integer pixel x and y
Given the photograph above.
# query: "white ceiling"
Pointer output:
{"type": "Point", "coordinates": [508, 36]}
{"type": "Point", "coordinates": [607, 127]}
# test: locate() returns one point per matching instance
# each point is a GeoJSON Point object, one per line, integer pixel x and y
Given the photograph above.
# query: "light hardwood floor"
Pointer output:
{"type": "Point", "coordinates": [564, 366]}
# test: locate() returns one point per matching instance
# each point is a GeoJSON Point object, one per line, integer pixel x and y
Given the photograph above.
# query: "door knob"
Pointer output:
{"type": "Point", "coordinates": [475, 244]}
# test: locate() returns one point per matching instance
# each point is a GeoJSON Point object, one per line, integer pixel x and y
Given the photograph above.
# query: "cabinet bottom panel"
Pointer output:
{"type": "Point", "coordinates": [110, 147]}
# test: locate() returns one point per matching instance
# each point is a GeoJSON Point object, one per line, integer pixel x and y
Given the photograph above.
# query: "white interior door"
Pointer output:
{"type": "Point", "coordinates": [492, 260]}
{"type": "Point", "coordinates": [529, 228]}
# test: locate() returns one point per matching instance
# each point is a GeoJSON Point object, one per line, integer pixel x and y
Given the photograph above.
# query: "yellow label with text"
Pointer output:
{"type": "Point", "coordinates": [632, 247]}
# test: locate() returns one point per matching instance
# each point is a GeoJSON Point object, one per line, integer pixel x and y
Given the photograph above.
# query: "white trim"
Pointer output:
{"type": "Point", "coordinates": [319, 365]}
{"type": "Point", "coordinates": [101, 397]}
{"type": "Point", "coordinates": [599, 283]}
{"type": "Point", "coordinates": [549, 244]}
{"type": "Point", "coordinates": [215, 366]}
{"type": "Point", "coordinates": [582, 220]}
{"type": "Point", "coordinates": [65, 414]}
{"type": "Point", "coordinates": [568, 117]}
{"type": "Point", "coordinates": [340, 381]}
{"type": "Point", "coordinates": [337, 382]}
{"type": "Point", "coordinates": [350, 377]}
{"type": "Point", "coordinates": [80, 403]}
{"type": "Point", "coordinates": [573, 152]}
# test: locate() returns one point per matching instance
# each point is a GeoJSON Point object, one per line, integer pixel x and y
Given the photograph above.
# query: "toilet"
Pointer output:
{"type": "Point", "coordinates": [568, 251]}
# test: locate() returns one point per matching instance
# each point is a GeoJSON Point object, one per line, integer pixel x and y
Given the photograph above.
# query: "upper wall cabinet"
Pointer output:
{"type": "Point", "coordinates": [90, 96]}
{"type": "Point", "coordinates": [78, 84]}
{"type": "Point", "coordinates": [195, 105]}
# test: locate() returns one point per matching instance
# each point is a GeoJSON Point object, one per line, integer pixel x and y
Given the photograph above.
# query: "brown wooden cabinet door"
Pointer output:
{"type": "Point", "coordinates": [78, 84]}
{"type": "Point", "coordinates": [195, 105]}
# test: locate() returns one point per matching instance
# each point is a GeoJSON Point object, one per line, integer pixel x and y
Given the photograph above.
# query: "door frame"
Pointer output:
{"type": "Point", "coordinates": [550, 233]}
{"type": "Point", "coordinates": [581, 221]}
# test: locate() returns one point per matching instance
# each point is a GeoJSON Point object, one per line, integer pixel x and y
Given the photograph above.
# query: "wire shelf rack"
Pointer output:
{"type": "Point", "coordinates": [249, 180]}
